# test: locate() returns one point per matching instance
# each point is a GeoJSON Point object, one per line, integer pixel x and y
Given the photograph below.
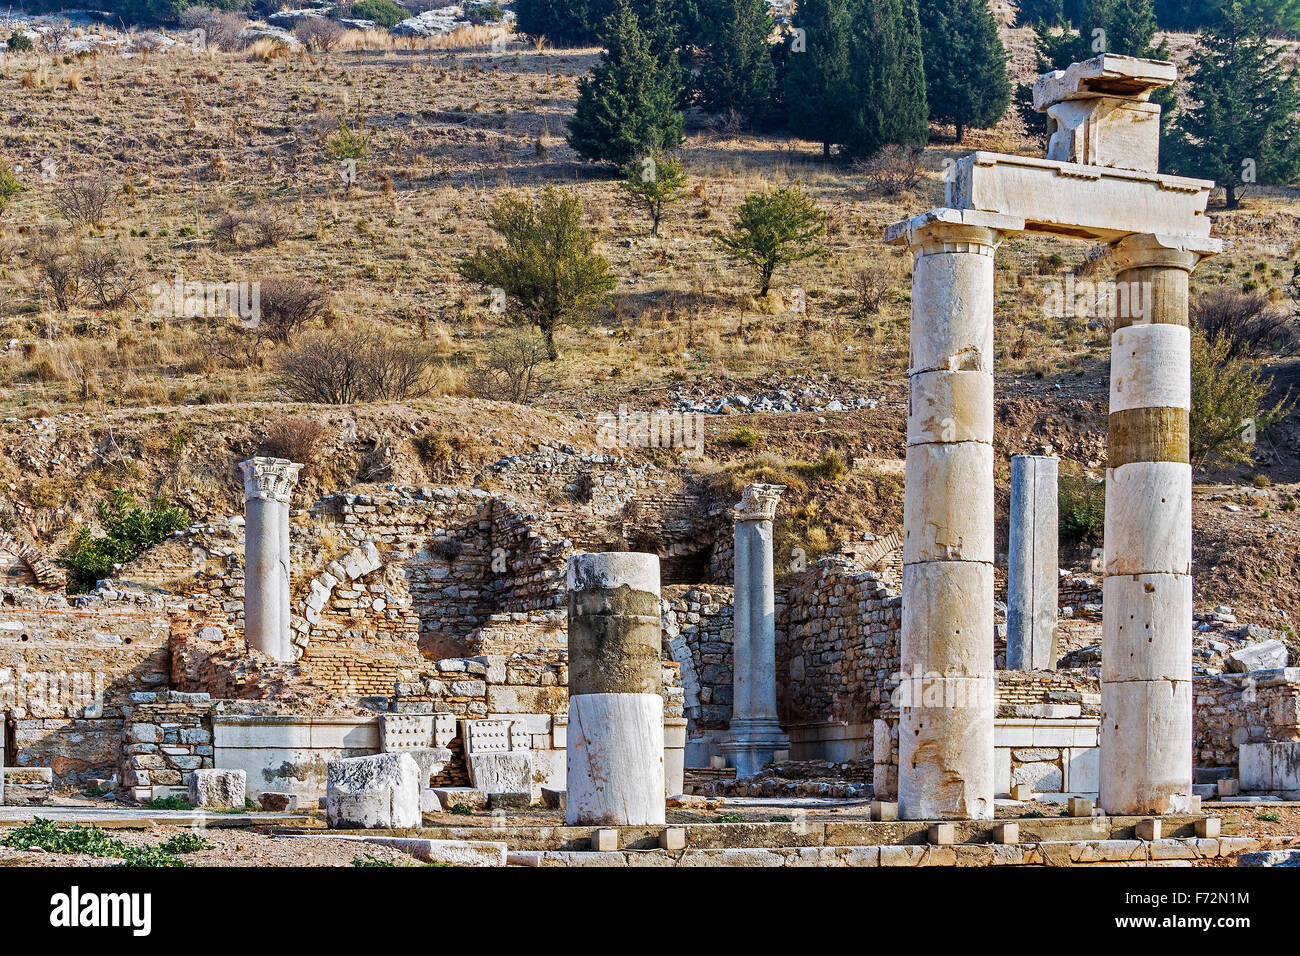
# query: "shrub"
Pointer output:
{"type": "Point", "coordinates": [488, 13]}
{"type": "Point", "coordinates": [300, 438]}
{"type": "Point", "coordinates": [349, 143]}
{"type": "Point", "coordinates": [1082, 507]}
{"type": "Point", "coordinates": [1228, 403]}
{"type": "Point", "coordinates": [831, 467]}
{"type": "Point", "coordinates": [127, 531]}
{"type": "Point", "coordinates": [892, 169]}
{"type": "Point", "coordinates": [251, 229]}
{"type": "Point", "coordinates": [654, 182]}
{"type": "Point", "coordinates": [287, 304]}
{"type": "Point", "coordinates": [774, 229]}
{"type": "Point", "coordinates": [20, 42]}
{"type": "Point", "coordinates": [354, 367]}
{"type": "Point", "coordinates": [369, 859]}
{"type": "Point", "coordinates": [9, 185]}
{"type": "Point", "coordinates": [319, 35]}
{"type": "Point", "coordinates": [742, 436]}
{"type": "Point", "coordinates": [186, 842]}
{"type": "Point", "coordinates": [86, 200]}
{"type": "Point", "coordinates": [221, 28]}
{"type": "Point", "coordinates": [1246, 321]}
{"type": "Point", "coordinates": [512, 370]}
{"type": "Point", "coordinates": [109, 277]}
{"type": "Point", "coordinates": [386, 13]}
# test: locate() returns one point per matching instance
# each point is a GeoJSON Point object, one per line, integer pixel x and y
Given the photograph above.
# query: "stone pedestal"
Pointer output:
{"type": "Point", "coordinates": [1032, 564]}
{"type": "Point", "coordinates": [947, 691]}
{"type": "Point", "coordinates": [1146, 667]}
{"type": "Point", "coordinates": [615, 741]}
{"type": "Point", "coordinates": [268, 484]}
{"type": "Point", "coordinates": [755, 734]}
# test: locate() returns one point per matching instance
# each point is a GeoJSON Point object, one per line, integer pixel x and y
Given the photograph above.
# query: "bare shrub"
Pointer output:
{"type": "Point", "coordinates": [299, 438]}
{"type": "Point", "coordinates": [221, 28]}
{"type": "Point", "coordinates": [873, 288]}
{"type": "Point", "coordinates": [1247, 322]}
{"type": "Point", "coordinates": [287, 304]}
{"type": "Point", "coordinates": [250, 229]}
{"type": "Point", "coordinates": [86, 200]}
{"type": "Point", "coordinates": [110, 278]}
{"type": "Point", "coordinates": [319, 35]}
{"type": "Point", "coordinates": [892, 169]}
{"type": "Point", "coordinates": [355, 366]}
{"type": "Point", "coordinates": [54, 262]}
{"type": "Point", "coordinates": [512, 371]}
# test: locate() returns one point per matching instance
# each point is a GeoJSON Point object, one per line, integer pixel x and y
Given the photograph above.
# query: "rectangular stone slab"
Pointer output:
{"type": "Point", "coordinates": [1087, 202]}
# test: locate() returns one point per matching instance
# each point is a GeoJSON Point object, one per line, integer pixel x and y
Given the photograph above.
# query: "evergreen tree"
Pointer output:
{"type": "Point", "coordinates": [1242, 126]}
{"type": "Point", "coordinates": [562, 22]}
{"type": "Point", "coordinates": [628, 105]}
{"type": "Point", "coordinates": [1040, 13]}
{"type": "Point", "coordinates": [819, 83]}
{"type": "Point", "coordinates": [737, 71]}
{"type": "Point", "coordinates": [889, 70]}
{"type": "Point", "coordinates": [965, 64]}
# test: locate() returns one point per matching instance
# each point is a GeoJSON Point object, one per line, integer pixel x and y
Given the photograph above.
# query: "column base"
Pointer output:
{"type": "Point", "coordinates": [752, 743]}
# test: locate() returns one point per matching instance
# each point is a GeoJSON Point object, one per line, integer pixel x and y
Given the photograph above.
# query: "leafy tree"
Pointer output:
{"type": "Point", "coordinates": [628, 105]}
{"type": "Point", "coordinates": [548, 266]}
{"type": "Point", "coordinates": [9, 185]}
{"type": "Point", "coordinates": [654, 182]}
{"type": "Point", "coordinates": [889, 105]}
{"type": "Point", "coordinates": [819, 82]}
{"type": "Point", "coordinates": [965, 64]}
{"type": "Point", "coordinates": [775, 229]}
{"type": "Point", "coordinates": [128, 531]}
{"type": "Point", "coordinates": [737, 72]}
{"type": "Point", "coordinates": [1241, 127]}
{"type": "Point", "coordinates": [1228, 403]}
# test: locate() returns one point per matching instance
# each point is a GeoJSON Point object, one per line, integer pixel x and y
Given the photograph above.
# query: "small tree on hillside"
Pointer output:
{"type": "Point", "coordinates": [1242, 128]}
{"type": "Point", "coordinates": [965, 64]}
{"type": "Point", "coordinates": [628, 105]}
{"type": "Point", "coordinates": [775, 229]}
{"type": "Point", "coordinates": [654, 182]}
{"type": "Point", "coordinates": [1228, 403]}
{"type": "Point", "coordinates": [737, 72]}
{"type": "Point", "coordinates": [548, 266]}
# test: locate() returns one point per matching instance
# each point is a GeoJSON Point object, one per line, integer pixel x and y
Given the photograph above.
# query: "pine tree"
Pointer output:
{"type": "Point", "coordinates": [965, 64]}
{"type": "Point", "coordinates": [889, 72]}
{"type": "Point", "coordinates": [737, 72]}
{"type": "Point", "coordinates": [562, 22]}
{"type": "Point", "coordinates": [819, 85]}
{"type": "Point", "coordinates": [1242, 128]}
{"type": "Point", "coordinates": [628, 105]}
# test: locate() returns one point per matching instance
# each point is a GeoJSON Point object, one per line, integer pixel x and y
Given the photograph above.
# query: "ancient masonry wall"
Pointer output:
{"type": "Point", "coordinates": [1235, 709]}
{"type": "Point", "coordinates": [697, 627]}
{"type": "Point", "coordinates": [68, 667]}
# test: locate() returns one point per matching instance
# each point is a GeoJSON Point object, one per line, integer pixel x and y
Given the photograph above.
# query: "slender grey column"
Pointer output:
{"type": "Point", "coordinates": [755, 733]}
{"type": "Point", "coordinates": [1032, 564]}
{"type": "Point", "coordinates": [268, 484]}
{"type": "Point", "coordinates": [615, 746]}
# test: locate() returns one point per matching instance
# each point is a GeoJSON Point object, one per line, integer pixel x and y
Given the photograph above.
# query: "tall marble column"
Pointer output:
{"type": "Point", "coordinates": [947, 692]}
{"type": "Point", "coordinates": [1032, 564]}
{"type": "Point", "coordinates": [1146, 657]}
{"type": "Point", "coordinates": [755, 733]}
{"type": "Point", "coordinates": [268, 485]}
{"type": "Point", "coordinates": [615, 744]}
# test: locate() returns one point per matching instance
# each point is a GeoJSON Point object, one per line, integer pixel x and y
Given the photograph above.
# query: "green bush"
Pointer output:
{"type": "Point", "coordinates": [128, 530]}
{"type": "Point", "coordinates": [370, 859]}
{"type": "Point", "coordinates": [150, 856]}
{"type": "Point", "coordinates": [9, 184]}
{"type": "Point", "coordinates": [20, 43]}
{"type": "Point", "coordinates": [1082, 504]}
{"type": "Point", "coordinates": [1228, 403]}
{"type": "Point", "coordinates": [170, 803]}
{"type": "Point", "coordinates": [186, 842]}
{"type": "Point", "coordinates": [386, 13]}
{"type": "Point", "coordinates": [743, 436]}
{"type": "Point", "coordinates": [42, 834]}
{"type": "Point", "coordinates": [775, 229]}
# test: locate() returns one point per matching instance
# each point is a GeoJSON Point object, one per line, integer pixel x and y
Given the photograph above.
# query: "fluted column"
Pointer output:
{"type": "Point", "coordinates": [1146, 659]}
{"type": "Point", "coordinates": [268, 485]}
{"type": "Point", "coordinates": [755, 735]}
{"type": "Point", "coordinates": [946, 694]}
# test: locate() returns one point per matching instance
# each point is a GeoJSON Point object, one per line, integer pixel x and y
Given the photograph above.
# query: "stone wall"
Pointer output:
{"type": "Point", "coordinates": [1234, 709]}
{"type": "Point", "coordinates": [697, 628]}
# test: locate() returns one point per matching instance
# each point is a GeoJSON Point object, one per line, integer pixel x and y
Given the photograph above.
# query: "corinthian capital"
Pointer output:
{"type": "Point", "coordinates": [758, 502]}
{"type": "Point", "coordinates": [269, 478]}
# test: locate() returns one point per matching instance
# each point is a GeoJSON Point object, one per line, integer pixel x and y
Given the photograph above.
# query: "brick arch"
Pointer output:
{"type": "Point", "coordinates": [47, 573]}
{"type": "Point", "coordinates": [357, 563]}
{"type": "Point", "coordinates": [880, 549]}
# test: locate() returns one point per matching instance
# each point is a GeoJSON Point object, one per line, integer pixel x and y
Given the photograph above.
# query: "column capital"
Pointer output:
{"type": "Point", "coordinates": [758, 502]}
{"type": "Point", "coordinates": [1152, 250]}
{"type": "Point", "coordinates": [269, 478]}
{"type": "Point", "coordinates": [953, 230]}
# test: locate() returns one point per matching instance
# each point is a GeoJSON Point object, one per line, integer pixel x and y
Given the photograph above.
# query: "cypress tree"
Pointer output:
{"type": "Point", "coordinates": [819, 82]}
{"type": "Point", "coordinates": [1242, 128]}
{"type": "Point", "coordinates": [965, 64]}
{"type": "Point", "coordinates": [889, 68]}
{"type": "Point", "coordinates": [737, 72]}
{"type": "Point", "coordinates": [628, 105]}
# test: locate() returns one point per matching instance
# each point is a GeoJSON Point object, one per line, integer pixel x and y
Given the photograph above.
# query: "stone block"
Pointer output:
{"type": "Point", "coordinates": [552, 798]}
{"type": "Point", "coordinates": [486, 736]}
{"type": "Point", "coordinates": [1265, 655]}
{"type": "Point", "coordinates": [604, 839]}
{"type": "Point", "coordinates": [510, 801]}
{"type": "Point", "coordinates": [672, 838]}
{"type": "Point", "coordinates": [382, 791]}
{"type": "Point", "coordinates": [1006, 833]}
{"type": "Point", "coordinates": [884, 810]}
{"type": "Point", "coordinates": [1209, 828]}
{"type": "Point", "coordinates": [496, 772]}
{"type": "Point", "coordinates": [398, 732]}
{"type": "Point", "coordinates": [218, 789]}
{"type": "Point", "coordinates": [449, 797]}
{"type": "Point", "coordinates": [1081, 807]}
{"type": "Point", "coordinates": [277, 802]}
{"type": "Point", "coordinates": [431, 761]}
{"type": "Point", "coordinates": [1148, 829]}
{"type": "Point", "coordinates": [1229, 787]}
{"type": "Point", "coordinates": [1022, 792]}
{"type": "Point", "coordinates": [942, 834]}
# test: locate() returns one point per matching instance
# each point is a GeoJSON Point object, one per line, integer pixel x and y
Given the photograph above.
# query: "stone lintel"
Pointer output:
{"type": "Point", "coordinates": [1099, 203]}
{"type": "Point", "coordinates": [1127, 77]}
